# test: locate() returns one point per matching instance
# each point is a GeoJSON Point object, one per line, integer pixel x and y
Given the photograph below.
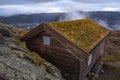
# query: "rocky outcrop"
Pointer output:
{"type": "Point", "coordinates": [5, 32]}
{"type": "Point", "coordinates": [112, 48]}
{"type": "Point", "coordinates": [112, 64]}
{"type": "Point", "coordinates": [111, 67]}
{"type": "Point", "coordinates": [16, 64]}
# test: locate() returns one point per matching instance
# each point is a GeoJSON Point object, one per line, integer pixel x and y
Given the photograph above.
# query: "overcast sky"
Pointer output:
{"type": "Point", "coordinates": [11, 7]}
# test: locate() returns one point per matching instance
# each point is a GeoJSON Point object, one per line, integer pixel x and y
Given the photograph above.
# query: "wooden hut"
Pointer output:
{"type": "Point", "coordinates": [73, 46]}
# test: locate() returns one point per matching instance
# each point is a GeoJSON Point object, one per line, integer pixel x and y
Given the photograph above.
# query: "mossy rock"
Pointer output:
{"type": "Point", "coordinates": [6, 32]}
{"type": "Point", "coordinates": [1, 53]}
{"type": "Point", "coordinates": [1, 39]}
{"type": "Point", "coordinates": [113, 57]}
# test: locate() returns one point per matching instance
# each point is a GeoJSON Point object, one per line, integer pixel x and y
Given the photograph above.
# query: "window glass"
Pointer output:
{"type": "Point", "coordinates": [46, 40]}
{"type": "Point", "coordinates": [90, 59]}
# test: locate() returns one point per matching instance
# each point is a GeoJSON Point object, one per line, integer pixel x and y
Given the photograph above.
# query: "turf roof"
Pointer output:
{"type": "Point", "coordinates": [85, 33]}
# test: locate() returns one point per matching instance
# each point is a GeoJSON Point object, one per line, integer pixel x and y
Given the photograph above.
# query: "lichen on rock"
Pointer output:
{"type": "Point", "coordinates": [17, 64]}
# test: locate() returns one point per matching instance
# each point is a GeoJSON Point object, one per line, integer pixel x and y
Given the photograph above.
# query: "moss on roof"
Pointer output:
{"type": "Point", "coordinates": [85, 33]}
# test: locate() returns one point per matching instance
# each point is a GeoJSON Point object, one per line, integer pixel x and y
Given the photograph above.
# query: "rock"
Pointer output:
{"type": "Point", "coordinates": [50, 69]}
{"type": "Point", "coordinates": [112, 64]}
{"type": "Point", "coordinates": [5, 50]}
{"type": "Point", "coordinates": [1, 39]}
{"type": "Point", "coordinates": [15, 47]}
{"type": "Point", "coordinates": [96, 69]}
{"type": "Point", "coordinates": [16, 64]}
{"type": "Point", "coordinates": [16, 68]}
{"type": "Point", "coordinates": [5, 32]}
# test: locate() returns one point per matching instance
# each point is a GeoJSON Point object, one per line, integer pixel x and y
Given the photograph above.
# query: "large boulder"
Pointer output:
{"type": "Point", "coordinates": [17, 64]}
{"type": "Point", "coordinates": [5, 32]}
{"type": "Point", "coordinates": [1, 39]}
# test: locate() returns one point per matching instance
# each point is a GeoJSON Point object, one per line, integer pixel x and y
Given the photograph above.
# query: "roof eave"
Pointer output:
{"type": "Point", "coordinates": [33, 32]}
{"type": "Point", "coordinates": [99, 42]}
{"type": "Point", "coordinates": [48, 27]}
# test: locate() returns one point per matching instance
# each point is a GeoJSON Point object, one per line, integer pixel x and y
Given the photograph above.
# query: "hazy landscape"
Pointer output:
{"type": "Point", "coordinates": [107, 19]}
{"type": "Point", "coordinates": [112, 47]}
{"type": "Point", "coordinates": [17, 18]}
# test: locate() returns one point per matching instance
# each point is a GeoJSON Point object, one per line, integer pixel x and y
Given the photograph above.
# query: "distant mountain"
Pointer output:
{"type": "Point", "coordinates": [108, 19]}
{"type": "Point", "coordinates": [112, 19]}
{"type": "Point", "coordinates": [32, 18]}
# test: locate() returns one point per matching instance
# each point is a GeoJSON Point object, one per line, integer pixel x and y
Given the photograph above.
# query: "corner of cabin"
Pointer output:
{"type": "Point", "coordinates": [85, 33]}
{"type": "Point", "coordinates": [33, 32]}
{"type": "Point", "coordinates": [69, 47]}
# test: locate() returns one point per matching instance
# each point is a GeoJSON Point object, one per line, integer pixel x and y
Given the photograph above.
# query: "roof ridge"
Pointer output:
{"type": "Point", "coordinates": [85, 30]}
{"type": "Point", "coordinates": [84, 33]}
{"type": "Point", "coordinates": [71, 20]}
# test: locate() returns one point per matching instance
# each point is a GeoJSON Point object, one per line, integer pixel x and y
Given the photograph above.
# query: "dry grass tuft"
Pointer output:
{"type": "Point", "coordinates": [85, 33]}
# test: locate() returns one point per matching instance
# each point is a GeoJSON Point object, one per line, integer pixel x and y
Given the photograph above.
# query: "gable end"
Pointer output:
{"type": "Point", "coordinates": [33, 32]}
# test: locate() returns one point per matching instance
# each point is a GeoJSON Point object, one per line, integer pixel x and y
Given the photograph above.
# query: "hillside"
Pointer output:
{"type": "Point", "coordinates": [109, 19]}
{"type": "Point", "coordinates": [111, 68]}
{"type": "Point", "coordinates": [22, 20]}
{"type": "Point", "coordinates": [17, 63]}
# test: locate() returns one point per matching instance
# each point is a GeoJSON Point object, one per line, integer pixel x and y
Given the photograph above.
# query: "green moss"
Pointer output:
{"type": "Point", "coordinates": [1, 53]}
{"type": "Point", "coordinates": [47, 78]}
{"type": "Point", "coordinates": [85, 33]}
{"type": "Point", "coordinates": [36, 58]}
{"type": "Point", "coordinates": [114, 57]}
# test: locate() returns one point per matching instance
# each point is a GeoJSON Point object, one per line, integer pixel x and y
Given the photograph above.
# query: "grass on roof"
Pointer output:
{"type": "Point", "coordinates": [85, 33]}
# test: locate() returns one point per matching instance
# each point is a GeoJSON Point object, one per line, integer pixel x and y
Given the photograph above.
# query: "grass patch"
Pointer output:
{"type": "Point", "coordinates": [85, 33]}
{"type": "Point", "coordinates": [114, 57]}
{"type": "Point", "coordinates": [36, 58]}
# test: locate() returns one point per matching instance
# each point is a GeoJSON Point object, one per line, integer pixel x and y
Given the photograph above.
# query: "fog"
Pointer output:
{"type": "Point", "coordinates": [76, 15]}
{"type": "Point", "coordinates": [73, 15]}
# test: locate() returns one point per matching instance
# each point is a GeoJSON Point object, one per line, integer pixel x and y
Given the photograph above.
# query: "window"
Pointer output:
{"type": "Point", "coordinates": [90, 59]}
{"type": "Point", "coordinates": [46, 40]}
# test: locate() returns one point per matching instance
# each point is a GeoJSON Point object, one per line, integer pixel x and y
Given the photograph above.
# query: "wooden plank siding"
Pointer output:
{"type": "Point", "coordinates": [56, 53]}
{"type": "Point", "coordinates": [58, 57]}
{"type": "Point", "coordinates": [77, 51]}
{"type": "Point", "coordinates": [32, 33]}
{"type": "Point", "coordinates": [60, 52]}
{"type": "Point", "coordinates": [96, 55]}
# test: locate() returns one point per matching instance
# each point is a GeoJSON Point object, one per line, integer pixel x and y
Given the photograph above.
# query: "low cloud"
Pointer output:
{"type": "Point", "coordinates": [47, 6]}
{"type": "Point", "coordinates": [116, 27]}
{"type": "Point", "coordinates": [104, 24]}
{"type": "Point", "coordinates": [9, 2]}
{"type": "Point", "coordinates": [27, 9]}
{"type": "Point", "coordinates": [96, 1]}
{"type": "Point", "coordinates": [73, 15]}
{"type": "Point", "coordinates": [110, 27]}
{"type": "Point", "coordinates": [111, 9]}
{"type": "Point", "coordinates": [42, 0]}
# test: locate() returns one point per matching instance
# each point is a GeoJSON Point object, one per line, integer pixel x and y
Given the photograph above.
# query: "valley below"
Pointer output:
{"type": "Point", "coordinates": [18, 63]}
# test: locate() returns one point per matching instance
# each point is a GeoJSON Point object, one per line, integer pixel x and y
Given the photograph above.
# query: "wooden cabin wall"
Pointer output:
{"type": "Point", "coordinates": [56, 53]}
{"type": "Point", "coordinates": [71, 46]}
{"type": "Point", "coordinates": [97, 53]}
